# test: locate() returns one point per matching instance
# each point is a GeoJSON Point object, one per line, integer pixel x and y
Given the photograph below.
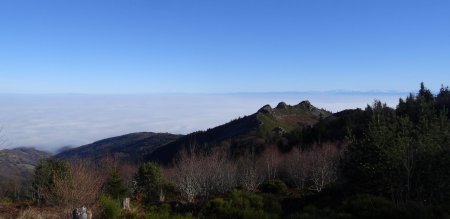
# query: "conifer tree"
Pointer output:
{"type": "Point", "coordinates": [150, 182]}
{"type": "Point", "coordinates": [115, 186]}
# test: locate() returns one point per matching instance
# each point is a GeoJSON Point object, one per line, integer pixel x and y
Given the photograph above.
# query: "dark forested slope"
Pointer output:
{"type": "Point", "coordinates": [253, 132]}
{"type": "Point", "coordinates": [128, 147]}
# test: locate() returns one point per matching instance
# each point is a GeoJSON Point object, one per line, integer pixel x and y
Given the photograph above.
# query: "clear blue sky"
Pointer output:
{"type": "Point", "coordinates": [131, 46]}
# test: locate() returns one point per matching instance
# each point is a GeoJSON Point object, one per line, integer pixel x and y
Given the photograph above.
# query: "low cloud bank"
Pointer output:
{"type": "Point", "coordinates": [49, 122]}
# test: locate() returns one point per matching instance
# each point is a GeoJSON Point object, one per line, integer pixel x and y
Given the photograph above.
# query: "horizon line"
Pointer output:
{"type": "Point", "coordinates": [336, 92]}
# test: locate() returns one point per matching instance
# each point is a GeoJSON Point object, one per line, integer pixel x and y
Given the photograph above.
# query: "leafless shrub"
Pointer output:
{"type": "Point", "coordinates": [323, 166]}
{"type": "Point", "coordinates": [296, 168]}
{"type": "Point", "coordinates": [202, 175]}
{"type": "Point", "coordinates": [250, 172]}
{"type": "Point", "coordinates": [218, 175]}
{"type": "Point", "coordinates": [315, 168]}
{"type": "Point", "coordinates": [271, 158]}
{"type": "Point", "coordinates": [185, 176]}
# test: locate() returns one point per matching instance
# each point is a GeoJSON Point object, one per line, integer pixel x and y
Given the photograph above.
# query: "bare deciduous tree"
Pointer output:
{"type": "Point", "coordinates": [314, 168]}
{"type": "Point", "coordinates": [250, 172]}
{"type": "Point", "coordinates": [271, 159]}
{"type": "Point", "coordinates": [184, 175]}
{"type": "Point", "coordinates": [296, 168]}
{"type": "Point", "coordinates": [323, 165]}
{"type": "Point", "coordinates": [202, 175]}
{"type": "Point", "coordinates": [218, 174]}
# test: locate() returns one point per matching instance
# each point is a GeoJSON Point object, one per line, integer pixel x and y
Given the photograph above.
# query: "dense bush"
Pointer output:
{"type": "Point", "coordinates": [369, 206]}
{"type": "Point", "coordinates": [115, 186]}
{"type": "Point", "coordinates": [275, 186]}
{"type": "Point", "coordinates": [241, 204]}
{"type": "Point", "coordinates": [150, 182]}
{"type": "Point", "coordinates": [45, 174]}
{"type": "Point", "coordinates": [110, 207]}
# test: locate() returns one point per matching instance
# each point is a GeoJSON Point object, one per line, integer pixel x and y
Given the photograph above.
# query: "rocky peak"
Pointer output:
{"type": "Point", "coordinates": [306, 105]}
{"type": "Point", "coordinates": [282, 105]}
{"type": "Point", "coordinates": [267, 109]}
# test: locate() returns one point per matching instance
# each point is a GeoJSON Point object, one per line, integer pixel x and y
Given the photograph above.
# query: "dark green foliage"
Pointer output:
{"type": "Point", "coordinates": [240, 204]}
{"type": "Point", "coordinates": [158, 211]}
{"type": "Point", "coordinates": [275, 186]}
{"type": "Point", "coordinates": [443, 100]}
{"type": "Point", "coordinates": [150, 182]}
{"type": "Point", "coordinates": [404, 153]}
{"type": "Point", "coordinates": [115, 186]}
{"type": "Point", "coordinates": [110, 207]}
{"type": "Point", "coordinates": [338, 204]}
{"type": "Point", "coordinates": [312, 212]}
{"type": "Point", "coordinates": [369, 206]}
{"type": "Point", "coordinates": [366, 159]}
{"type": "Point", "coordinates": [334, 128]}
{"type": "Point", "coordinates": [46, 172]}
{"type": "Point", "coordinates": [164, 211]}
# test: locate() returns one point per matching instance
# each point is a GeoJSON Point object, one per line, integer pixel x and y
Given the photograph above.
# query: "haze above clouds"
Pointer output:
{"type": "Point", "coordinates": [50, 122]}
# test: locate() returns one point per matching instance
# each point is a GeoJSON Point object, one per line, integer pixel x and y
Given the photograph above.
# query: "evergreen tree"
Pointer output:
{"type": "Point", "coordinates": [150, 182]}
{"type": "Point", "coordinates": [404, 155]}
{"type": "Point", "coordinates": [45, 173]}
{"type": "Point", "coordinates": [115, 186]}
{"type": "Point", "coordinates": [443, 100]}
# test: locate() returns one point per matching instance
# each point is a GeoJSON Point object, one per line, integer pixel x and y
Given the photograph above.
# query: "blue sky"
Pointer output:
{"type": "Point", "coordinates": [194, 46]}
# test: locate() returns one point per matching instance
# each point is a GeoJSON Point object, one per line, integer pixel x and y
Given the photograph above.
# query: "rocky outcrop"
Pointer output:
{"type": "Point", "coordinates": [267, 109]}
{"type": "Point", "coordinates": [306, 105]}
{"type": "Point", "coordinates": [282, 105]}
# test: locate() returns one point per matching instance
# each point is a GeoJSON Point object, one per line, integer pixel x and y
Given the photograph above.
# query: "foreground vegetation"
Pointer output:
{"type": "Point", "coordinates": [371, 163]}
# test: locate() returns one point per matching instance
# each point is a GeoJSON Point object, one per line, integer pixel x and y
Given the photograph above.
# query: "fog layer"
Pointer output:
{"type": "Point", "coordinates": [49, 122]}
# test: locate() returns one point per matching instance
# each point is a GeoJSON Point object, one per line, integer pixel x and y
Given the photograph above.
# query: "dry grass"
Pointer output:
{"type": "Point", "coordinates": [33, 213]}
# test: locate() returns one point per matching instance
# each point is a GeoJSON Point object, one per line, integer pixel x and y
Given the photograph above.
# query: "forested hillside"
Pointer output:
{"type": "Point", "coordinates": [128, 148]}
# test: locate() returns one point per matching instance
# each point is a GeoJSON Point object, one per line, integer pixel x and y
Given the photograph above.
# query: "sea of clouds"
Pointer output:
{"type": "Point", "coordinates": [49, 122]}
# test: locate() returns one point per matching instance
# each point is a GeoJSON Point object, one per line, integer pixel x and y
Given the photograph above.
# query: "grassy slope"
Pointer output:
{"type": "Point", "coordinates": [18, 164]}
